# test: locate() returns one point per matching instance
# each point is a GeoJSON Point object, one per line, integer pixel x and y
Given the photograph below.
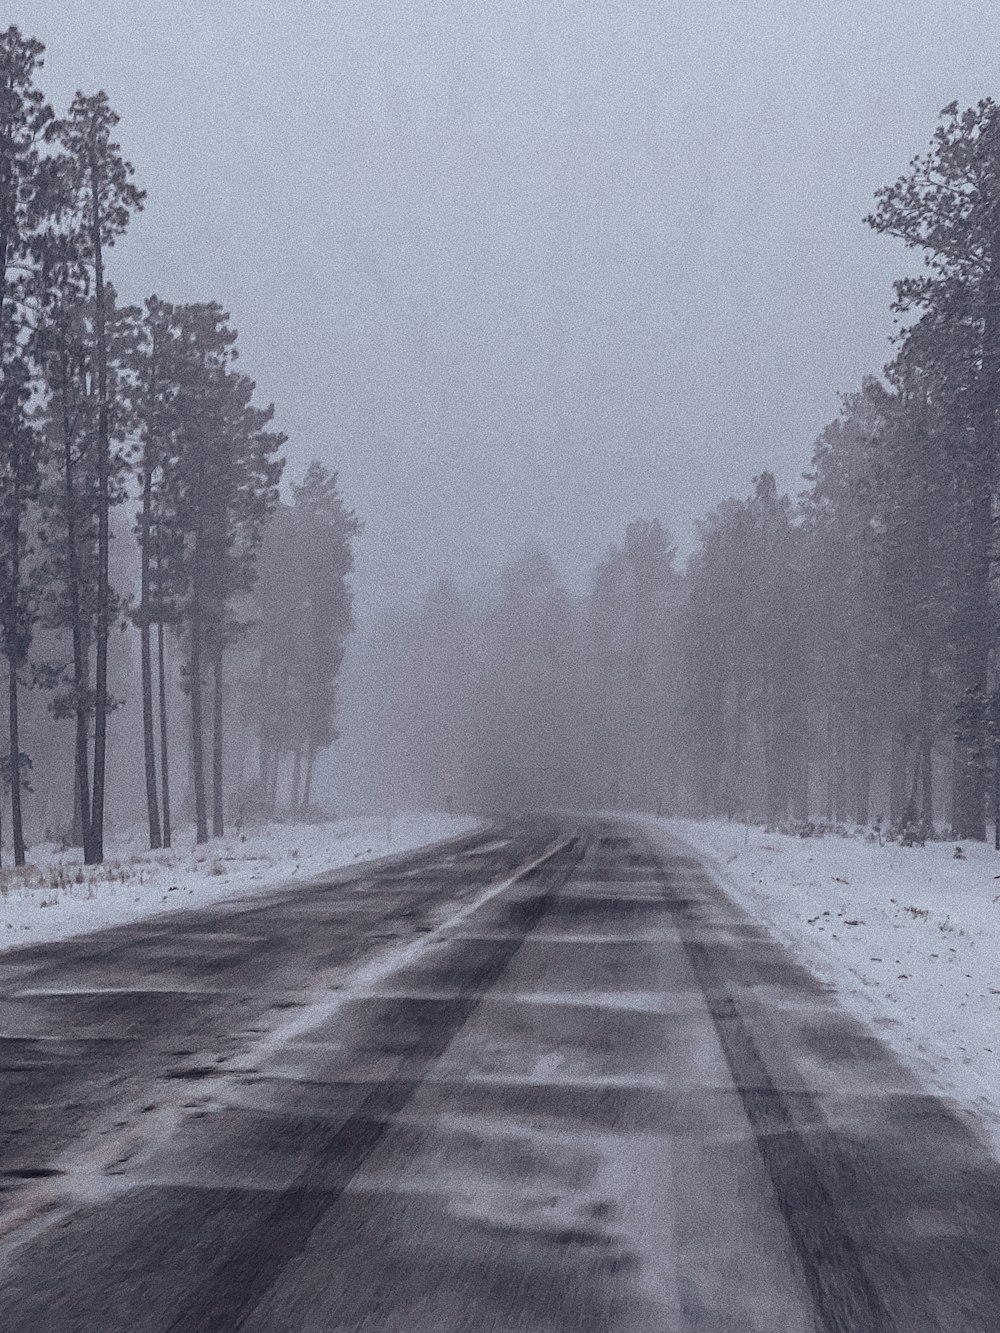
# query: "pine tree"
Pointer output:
{"type": "Point", "coordinates": [222, 489]}
{"type": "Point", "coordinates": [633, 610]}
{"type": "Point", "coordinates": [948, 206]}
{"type": "Point", "coordinates": [155, 399]}
{"type": "Point", "coordinates": [101, 198]}
{"type": "Point", "coordinates": [25, 122]}
{"type": "Point", "coordinates": [327, 530]}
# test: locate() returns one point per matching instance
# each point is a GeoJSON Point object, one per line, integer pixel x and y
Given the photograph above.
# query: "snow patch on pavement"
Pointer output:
{"type": "Point", "coordinates": [909, 936]}
{"type": "Point", "coordinates": [56, 896]}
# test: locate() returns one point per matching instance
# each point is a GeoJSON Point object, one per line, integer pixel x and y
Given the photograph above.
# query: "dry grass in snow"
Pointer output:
{"type": "Point", "coordinates": [56, 896]}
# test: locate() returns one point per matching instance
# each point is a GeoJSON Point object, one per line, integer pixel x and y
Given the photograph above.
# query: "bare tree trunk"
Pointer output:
{"type": "Point", "coordinates": [897, 777]}
{"type": "Point", "coordinates": [17, 828]}
{"type": "Point", "coordinates": [197, 749]}
{"type": "Point", "coordinates": [217, 810]}
{"type": "Point", "coordinates": [862, 770]}
{"type": "Point", "coordinates": [81, 665]}
{"type": "Point", "coordinates": [164, 733]}
{"type": "Point", "coordinates": [926, 783]}
{"type": "Point", "coordinates": [264, 724]}
{"type": "Point", "coordinates": [310, 763]}
{"type": "Point", "coordinates": [14, 647]}
{"type": "Point", "coordinates": [918, 757]}
{"type": "Point", "coordinates": [272, 793]}
{"type": "Point", "coordinates": [76, 827]}
{"type": "Point", "coordinates": [95, 853]}
{"type": "Point", "coordinates": [296, 776]}
{"type": "Point", "coordinates": [195, 683]}
{"type": "Point", "coordinates": [146, 662]}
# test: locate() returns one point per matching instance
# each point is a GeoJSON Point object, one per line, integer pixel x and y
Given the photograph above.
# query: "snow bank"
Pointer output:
{"type": "Point", "coordinates": [910, 937]}
{"type": "Point", "coordinates": [56, 896]}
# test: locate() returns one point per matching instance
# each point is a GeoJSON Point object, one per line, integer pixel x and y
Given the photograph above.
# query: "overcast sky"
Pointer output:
{"type": "Point", "coordinates": [526, 268]}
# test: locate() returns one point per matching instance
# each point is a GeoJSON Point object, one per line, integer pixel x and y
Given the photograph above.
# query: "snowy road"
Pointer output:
{"type": "Point", "coordinates": [542, 1079]}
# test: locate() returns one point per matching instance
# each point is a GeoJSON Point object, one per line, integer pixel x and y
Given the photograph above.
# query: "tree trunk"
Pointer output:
{"type": "Point", "coordinates": [164, 732]}
{"type": "Point", "coordinates": [197, 739]}
{"type": "Point", "coordinates": [296, 776]}
{"type": "Point", "coordinates": [81, 664]}
{"type": "Point", "coordinates": [862, 770]}
{"type": "Point", "coordinates": [14, 654]}
{"type": "Point", "coordinates": [897, 777]}
{"type": "Point", "coordinates": [217, 810]}
{"type": "Point", "coordinates": [969, 791]}
{"type": "Point", "coordinates": [841, 742]}
{"type": "Point", "coordinates": [926, 783]}
{"type": "Point", "coordinates": [148, 745]}
{"type": "Point", "coordinates": [76, 827]}
{"type": "Point", "coordinates": [918, 759]}
{"type": "Point", "coordinates": [272, 792]}
{"type": "Point", "coordinates": [16, 825]}
{"type": "Point", "coordinates": [310, 763]}
{"type": "Point", "coordinates": [95, 853]}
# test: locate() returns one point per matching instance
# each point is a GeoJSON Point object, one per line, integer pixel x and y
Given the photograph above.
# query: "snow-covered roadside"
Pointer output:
{"type": "Point", "coordinates": [909, 936]}
{"type": "Point", "coordinates": [56, 896]}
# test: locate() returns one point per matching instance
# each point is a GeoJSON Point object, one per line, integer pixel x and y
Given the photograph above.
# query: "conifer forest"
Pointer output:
{"type": "Point", "coordinates": [828, 657]}
{"type": "Point", "coordinates": [822, 657]}
{"type": "Point", "coordinates": [165, 613]}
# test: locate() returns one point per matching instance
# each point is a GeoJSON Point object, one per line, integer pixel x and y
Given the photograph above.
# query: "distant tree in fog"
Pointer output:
{"type": "Point", "coordinates": [433, 709]}
{"type": "Point", "coordinates": [222, 488]}
{"type": "Point", "coordinates": [531, 699]}
{"type": "Point", "coordinates": [633, 612]}
{"type": "Point", "coordinates": [845, 520]}
{"type": "Point", "coordinates": [746, 657]}
{"type": "Point", "coordinates": [304, 605]}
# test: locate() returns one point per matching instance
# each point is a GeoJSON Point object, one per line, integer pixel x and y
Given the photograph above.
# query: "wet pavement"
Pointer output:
{"type": "Point", "coordinates": [543, 1078]}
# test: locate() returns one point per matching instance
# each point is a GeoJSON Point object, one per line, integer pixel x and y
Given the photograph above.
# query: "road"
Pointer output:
{"type": "Point", "coordinates": [544, 1078]}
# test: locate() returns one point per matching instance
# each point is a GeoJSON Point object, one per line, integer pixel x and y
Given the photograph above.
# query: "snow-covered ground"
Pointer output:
{"type": "Point", "coordinates": [910, 937]}
{"type": "Point", "coordinates": [56, 896]}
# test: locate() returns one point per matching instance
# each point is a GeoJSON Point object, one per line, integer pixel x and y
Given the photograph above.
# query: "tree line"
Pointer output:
{"type": "Point", "coordinates": [845, 642]}
{"type": "Point", "coordinates": [826, 657]}
{"type": "Point", "coordinates": [115, 416]}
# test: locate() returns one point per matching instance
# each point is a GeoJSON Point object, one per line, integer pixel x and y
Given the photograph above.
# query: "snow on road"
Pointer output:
{"type": "Point", "coordinates": [56, 896]}
{"type": "Point", "coordinates": [909, 936]}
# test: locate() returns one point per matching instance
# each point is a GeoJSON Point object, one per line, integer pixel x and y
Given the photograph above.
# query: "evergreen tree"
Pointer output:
{"type": "Point", "coordinates": [303, 602]}
{"type": "Point", "coordinates": [25, 122]}
{"type": "Point", "coordinates": [222, 490]}
{"type": "Point", "coordinates": [100, 199]}
{"type": "Point", "coordinates": [948, 206]}
{"type": "Point", "coordinates": [327, 531]}
{"type": "Point", "coordinates": [633, 609]}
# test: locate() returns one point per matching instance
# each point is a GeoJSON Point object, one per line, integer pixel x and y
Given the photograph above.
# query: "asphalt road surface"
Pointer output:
{"type": "Point", "coordinates": [541, 1078]}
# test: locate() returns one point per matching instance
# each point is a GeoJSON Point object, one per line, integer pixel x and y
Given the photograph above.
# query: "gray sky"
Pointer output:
{"type": "Point", "coordinates": [526, 268]}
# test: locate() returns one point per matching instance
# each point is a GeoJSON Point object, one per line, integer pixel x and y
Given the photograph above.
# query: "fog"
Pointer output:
{"type": "Point", "coordinates": [525, 271]}
{"type": "Point", "coordinates": [538, 288]}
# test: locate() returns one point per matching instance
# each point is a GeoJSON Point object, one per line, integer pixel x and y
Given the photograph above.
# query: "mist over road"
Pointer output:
{"type": "Point", "coordinates": [543, 1077]}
